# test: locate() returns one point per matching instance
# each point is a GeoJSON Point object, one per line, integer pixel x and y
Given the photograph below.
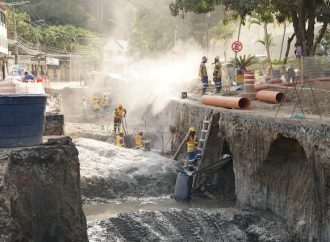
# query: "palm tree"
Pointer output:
{"type": "Point", "coordinates": [245, 61]}
{"type": "Point", "coordinates": [267, 40]}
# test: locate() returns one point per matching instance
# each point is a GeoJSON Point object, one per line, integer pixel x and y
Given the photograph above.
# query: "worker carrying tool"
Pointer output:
{"type": "Point", "coordinates": [192, 144]}
{"type": "Point", "coordinates": [139, 142]}
{"type": "Point", "coordinates": [203, 74]}
{"type": "Point", "coordinates": [120, 139]}
{"type": "Point", "coordinates": [119, 114]}
{"type": "Point", "coordinates": [105, 102]}
{"type": "Point", "coordinates": [217, 74]}
{"type": "Point", "coordinates": [96, 104]}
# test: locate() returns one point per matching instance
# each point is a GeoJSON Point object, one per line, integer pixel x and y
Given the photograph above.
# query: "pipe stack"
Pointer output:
{"type": "Point", "coordinates": [249, 85]}
{"type": "Point", "coordinates": [227, 102]}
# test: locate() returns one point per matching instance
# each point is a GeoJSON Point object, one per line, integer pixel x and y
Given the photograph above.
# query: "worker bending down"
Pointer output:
{"type": "Point", "coordinates": [120, 112]}
{"type": "Point", "coordinates": [217, 74]}
{"type": "Point", "coordinates": [139, 140]}
{"type": "Point", "coordinates": [120, 139]}
{"type": "Point", "coordinates": [192, 143]}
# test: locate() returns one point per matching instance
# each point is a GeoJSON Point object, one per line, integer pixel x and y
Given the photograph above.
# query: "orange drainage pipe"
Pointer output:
{"type": "Point", "coordinates": [227, 102]}
{"type": "Point", "coordinates": [271, 97]}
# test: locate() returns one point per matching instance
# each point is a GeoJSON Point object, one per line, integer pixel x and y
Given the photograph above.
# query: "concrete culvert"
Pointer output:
{"type": "Point", "coordinates": [227, 102]}
{"type": "Point", "coordinates": [271, 96]}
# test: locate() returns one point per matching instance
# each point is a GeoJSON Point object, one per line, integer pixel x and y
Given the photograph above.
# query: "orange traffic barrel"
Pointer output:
{"type": "Point", "coordinates": [249, 85]}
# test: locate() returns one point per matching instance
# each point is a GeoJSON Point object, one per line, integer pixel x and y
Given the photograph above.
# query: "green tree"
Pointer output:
{"type": "Point", "coordinates": [154, 30]}
{"type": "Point", "coordinates": [303, 14]}
{"type": "Point", "coordinates": [63, 37]}
{"type": "Point", "coordinates": [223, 31]}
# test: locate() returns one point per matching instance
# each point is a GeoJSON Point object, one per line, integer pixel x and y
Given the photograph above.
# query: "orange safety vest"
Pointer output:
{"type": "Point", "coordinates": [217, 70]}
{"type": "Point", "coordinates": [191, 144]}
{"type": "Point", "coordinates": [202, 70]}
{"type": "Point", "coordinates": [138, 141]}
{"type": "Point", "coordinates": [120, 141]}
{"type": "Point", "coordinates": [120, 112]}
{"type": "Point", "coordinates": [96, 104]}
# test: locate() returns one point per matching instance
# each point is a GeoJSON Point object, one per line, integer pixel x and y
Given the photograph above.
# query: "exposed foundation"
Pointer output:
{"type": "Point", "coordinates": [40, 193]}
{"type": "Point", "coordinates": [280, 165]}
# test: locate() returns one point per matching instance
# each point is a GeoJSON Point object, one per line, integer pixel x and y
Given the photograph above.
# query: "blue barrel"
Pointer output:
{"type": "Point", "coordinates": [183, 186]}
{"type": "Point", "coordinates": [22, 120]}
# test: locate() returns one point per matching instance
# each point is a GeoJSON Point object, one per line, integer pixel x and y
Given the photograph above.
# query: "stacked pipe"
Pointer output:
{"type": "Point", "coordinates": [249, 85]}
{"type": "Point", "coordinates": [271, 96]}
{"type": "Point", "coordinates": [227, 102]}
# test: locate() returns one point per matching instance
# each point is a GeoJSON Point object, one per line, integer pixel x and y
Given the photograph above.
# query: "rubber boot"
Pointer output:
{"type": "Point", "coordinates": [203, 90]}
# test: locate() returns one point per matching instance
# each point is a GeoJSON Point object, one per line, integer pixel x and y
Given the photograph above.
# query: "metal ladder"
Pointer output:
{"type": "Point", "coordinates": [204, 135]}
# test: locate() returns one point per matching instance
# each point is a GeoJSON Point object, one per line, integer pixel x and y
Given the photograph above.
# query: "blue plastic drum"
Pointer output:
{"type": "Point", "coordinates": [22, 120]}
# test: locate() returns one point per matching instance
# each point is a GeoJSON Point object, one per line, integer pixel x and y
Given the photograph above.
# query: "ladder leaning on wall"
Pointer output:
{"type": "Point", "coordinates": [203, 138]}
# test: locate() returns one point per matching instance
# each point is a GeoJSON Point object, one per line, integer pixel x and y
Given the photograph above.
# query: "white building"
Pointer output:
{"type": "Point", "coordinates": [115, 55]}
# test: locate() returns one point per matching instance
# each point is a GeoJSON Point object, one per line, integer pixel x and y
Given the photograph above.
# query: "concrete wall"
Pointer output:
{"type": "Point", "coordinates": [280, 165]}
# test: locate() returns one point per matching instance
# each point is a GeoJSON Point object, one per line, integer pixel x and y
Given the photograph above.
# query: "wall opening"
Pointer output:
{"type": "Point", "coordinates": [288, 179]}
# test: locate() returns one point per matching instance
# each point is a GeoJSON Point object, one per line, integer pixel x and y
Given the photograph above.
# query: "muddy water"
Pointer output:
{"type": "Point", "coordinates": [112, 209]}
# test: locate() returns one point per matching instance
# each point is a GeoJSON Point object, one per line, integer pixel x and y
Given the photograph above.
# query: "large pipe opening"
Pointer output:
{"type": "Point", "coordinates": [244, 103]}
{"type": "Point", "coordinates": [280, 97]}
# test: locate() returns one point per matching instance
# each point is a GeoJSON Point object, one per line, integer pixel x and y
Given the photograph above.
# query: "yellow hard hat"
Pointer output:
{"type": "Point", "coordinates": [192, 129]}
{"type": "Point", "coordinates": [120, 106]}
{"type": "Point", "coordinates": [121, 133]}
{"type": "Point", "coordinates": [217, 57]}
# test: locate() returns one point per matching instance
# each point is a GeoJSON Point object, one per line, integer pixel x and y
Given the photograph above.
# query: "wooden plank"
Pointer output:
{"type": "Point", "coordinates": [176, 155]}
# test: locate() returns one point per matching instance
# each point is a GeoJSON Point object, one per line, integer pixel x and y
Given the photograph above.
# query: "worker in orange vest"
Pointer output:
{"type": "Point", "coordinates": [192, 143]}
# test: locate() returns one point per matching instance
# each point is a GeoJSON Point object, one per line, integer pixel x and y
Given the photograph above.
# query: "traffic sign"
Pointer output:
{"type": "Point", "coordinates": [237, 46]}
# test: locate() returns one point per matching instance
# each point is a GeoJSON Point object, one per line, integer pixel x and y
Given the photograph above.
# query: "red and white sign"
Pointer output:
{"type": "Point", "coordinates": [237, 46]}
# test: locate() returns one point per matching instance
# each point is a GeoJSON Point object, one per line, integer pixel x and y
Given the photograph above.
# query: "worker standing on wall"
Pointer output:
{"type": "Point", "coordinates": [139, 140]}
{"type": "Point", "coordinates": [203, 74]}
{"type": "Point", "coordinates": [120, 139]}
{"type": "Point", "coordinates": [192, 143]}
{"type": "Point", "coordinates": [119, 114]}
{"type": "Point", "coordinates": [217, 74]}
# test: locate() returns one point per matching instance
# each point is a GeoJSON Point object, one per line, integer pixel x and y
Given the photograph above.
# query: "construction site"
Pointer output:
{"type": "Point", "coordinates": [180, 145]}
{"type": "Point", "coordinates": [263, 173]}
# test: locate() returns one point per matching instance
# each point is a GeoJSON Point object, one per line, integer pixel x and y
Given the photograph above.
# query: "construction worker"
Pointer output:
{"type": "Point", "coordinates": [192, 143]}
{"type": "Point", "coordinates": [96, 104]}
{"type": "Point", "coordinates": [120, 112]}
{"type": "Point", "coordinates": [217, 74]}
{"type": "Point", "coordinates": [203, 74]}
{"type": "Point", "coordinates": [105, 102]}
{"type": "Point", "coordinates": [139, 140]}
{"type": "Point", "coordinates": [120, 139]}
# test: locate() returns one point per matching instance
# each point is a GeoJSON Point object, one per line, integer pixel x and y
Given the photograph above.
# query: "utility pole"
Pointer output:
{"type": "Point", "coordinates": [13, 4]}
{"type": "Point", "coordinates": [15, 37]}
{"type": "Point", "coordinates": [70, 67]}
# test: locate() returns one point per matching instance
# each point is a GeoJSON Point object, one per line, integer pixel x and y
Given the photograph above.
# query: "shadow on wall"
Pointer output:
{"type": "Point", "coordinates": [220, 183]}
{"type": "Point", "coordinates": [289, 182]}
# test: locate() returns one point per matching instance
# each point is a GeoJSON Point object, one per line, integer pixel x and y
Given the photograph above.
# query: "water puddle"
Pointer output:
{"type": "Point", "coordinates": [112, 209]}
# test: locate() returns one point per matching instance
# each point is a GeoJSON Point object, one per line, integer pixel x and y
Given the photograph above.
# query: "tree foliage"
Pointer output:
{"type": "Point", "coordinates": [154, 30]}
{"type": "Point", "coordinates": [303, 13]}
{"type": "Point", "coordinates": [63, 37]}
{"type": "Point", "coordinates": [245, 61]}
